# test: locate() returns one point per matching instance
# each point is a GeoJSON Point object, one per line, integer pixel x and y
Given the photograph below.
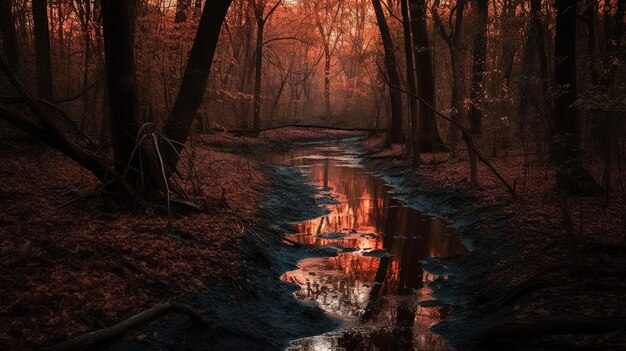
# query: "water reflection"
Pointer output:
{"type": "Point", "coordinates": [376, 283]}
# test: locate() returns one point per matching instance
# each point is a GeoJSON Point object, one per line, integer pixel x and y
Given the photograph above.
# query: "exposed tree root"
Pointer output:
{"type": "Point", "coordinates": [148, 315]}
{"type": "Point", "coordinates": [137, 269]}
{"type": "Point", "coordinates": [562, 325]}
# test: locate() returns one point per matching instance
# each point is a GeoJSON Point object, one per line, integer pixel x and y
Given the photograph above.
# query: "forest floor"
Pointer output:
{"type": "Point", "coordinates": [72, 261]}
{"type": "Point", "coordinates": [524, 267]}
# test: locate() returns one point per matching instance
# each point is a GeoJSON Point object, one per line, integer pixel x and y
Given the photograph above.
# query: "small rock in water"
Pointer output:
{"type": "Point", "coordinates": [331, 235]}
{"type": "Point", "coordinates": [377, 253]}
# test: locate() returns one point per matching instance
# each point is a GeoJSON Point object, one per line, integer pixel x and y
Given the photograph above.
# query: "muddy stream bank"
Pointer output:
{"type": "Point", "coordinates": [359, 269]}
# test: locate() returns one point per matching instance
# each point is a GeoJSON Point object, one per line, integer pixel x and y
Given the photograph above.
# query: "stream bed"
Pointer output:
{"type": "Point", "coordinates": [375, 284]}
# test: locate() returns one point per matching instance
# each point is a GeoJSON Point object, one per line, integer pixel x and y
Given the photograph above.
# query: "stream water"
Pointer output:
{"type": "Point", "coordinates": [375, 284]}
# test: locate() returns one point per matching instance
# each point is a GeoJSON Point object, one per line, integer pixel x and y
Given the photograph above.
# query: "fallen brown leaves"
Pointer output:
{"type": "Point", "coordinates": [92, 262]}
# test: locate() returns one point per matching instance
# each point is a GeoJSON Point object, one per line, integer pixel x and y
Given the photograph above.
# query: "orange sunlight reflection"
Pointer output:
{"type": "Point", "coordinates": [377, 275]}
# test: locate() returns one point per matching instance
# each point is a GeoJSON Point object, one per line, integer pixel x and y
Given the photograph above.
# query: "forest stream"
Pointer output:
{"type": "Point", "coordinates": [375, 284]}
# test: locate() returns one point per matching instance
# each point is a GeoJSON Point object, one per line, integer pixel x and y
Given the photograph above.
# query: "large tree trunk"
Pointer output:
{"type": "Point", "coordinates": [258, 76]}
{"type": "Point", "coordinates": [410, 73]}
{"type": "Point", "coordinates": [571, 176]}
{"type": "Point", "coordinates": [9, 36]}
{"type": "Point", "coordinates": [119, 39]}
{"type": "Point", "coordinates": [566, 119]}
{"type": "Point", "coordinates": [478, 66]}
{"type": "Point", "coordinates": [42, 49]}
{"type": "Point", "coordinates": [394, 130]}
{"type": "Point", "coordinates": [196, 75]}
{"type": "Point", "coordinates": [429, 135]}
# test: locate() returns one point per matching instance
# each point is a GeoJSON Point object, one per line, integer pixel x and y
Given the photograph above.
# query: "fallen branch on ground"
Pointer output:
{"type": "Point", "coordinates": [148, 315]}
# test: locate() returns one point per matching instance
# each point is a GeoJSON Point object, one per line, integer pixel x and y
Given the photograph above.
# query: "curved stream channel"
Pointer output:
{"type": "Point", "coordinates": [375, 284]}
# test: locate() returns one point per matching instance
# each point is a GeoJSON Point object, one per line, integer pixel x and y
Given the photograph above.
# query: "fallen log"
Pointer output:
{"type": "Point", "coordinates": [561, 325]}
{"type": "Point", "coordinates": [148, 315]}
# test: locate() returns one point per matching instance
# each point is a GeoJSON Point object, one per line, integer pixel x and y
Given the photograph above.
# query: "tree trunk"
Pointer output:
{"type": "Point", "coordinates": [258, 76]}
{"type": "Point", "coordinates": [327, 80]}
{"type": "Point", "coordinates": [429, 135]}
{"type": "Point", "coordinates": [571, 176]}
{"type": "Point", "coordinates": [196, 76]}
{"type": "Point", "coordinates": [478, 67]}
{"type": "Point", "coordinates": [394, 130]}
{"type": "Point", "coordinates": [9, 35]}
{"type": "Point", "coordinates": [566, 119]}
{"type": "Point", "coordinates": [42, 49]}
{"type": "Point", "coordinates": [410, 73]}
{"type": "Point", "coordinates": [119, 39]}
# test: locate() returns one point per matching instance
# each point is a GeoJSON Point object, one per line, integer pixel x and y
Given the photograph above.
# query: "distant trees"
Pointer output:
{"type": "Point", "coordinates": [328, 20]}
{"type": "Point", "coordinates": [493, 67]}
